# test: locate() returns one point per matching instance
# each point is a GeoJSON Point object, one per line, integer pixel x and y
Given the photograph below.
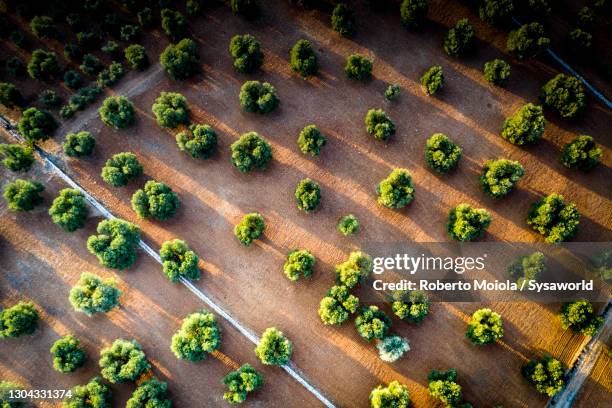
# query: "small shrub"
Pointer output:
{"type": "Point", "coordinates": [73, 52]}
{"type": "Point", "coordinates": [546, 374]}
{"type": "Point", "coordinates": [72, 79]}
{"type": "Point", "coordinates": [413, 12]}
{"type": "Point", "coordinates": [156, 200]}
{"type": "Point", "coordinates": [496, 12]}
{"type": "Point", "coordinates": [117, 111]}
{"type": "Point", "coordinates": [299, 263]}
{"type": "Point", "coordinates": [311, 140]}
{"type": "Point", "coordinates": [484, 327]}
{"type": "Point", "coordinates": [274, 348]}
{"type": "Point", "coordinates": [581, 153]}
{"type": "Point", "coordinates": [49, 98]}
{"type": "Point", "coordinates": [379, 125]}
{"type": "Point", "coordinates": [17, 157]}
{"type": "Point", "coordinates": [526, 126]}
{"type": "Point", "coordinates": [246, 52]}
{"type": "Point", "coordinates": [410, 306]}
{"type": "Point", "coordinates": [337, 305]}
{"type": "Point", "coordinates": [200, 141]}
{"type": "Point", "coordinates": [43, 27]}
{"type": "Point", "coordinates": [93, 295]}
{"type": "Point", "coordinates": [171, 110]}
{"type": "Point", "coordinates": [466, 223]}
{"type": "Point", "coordinates": [392, 92]}
{"type": "Point", "coordinates": [91, 64]}
{"type": "Point", "coordinates": [565, 94]}
{"type": "Point", "coordinates": [397, 190]}
{"type": "Point", "coordinates": [240, 382]}
{"type": "Point", "coordinates": [123, 361]}
{"type": "Point", "coordinates": [174, 24]}
{"type": "Point", "coordinates": [443, 386]}
{"type": "Point", "coordinates": [67, 355]}
{"type": "Point", "coordinates": [79, 144]}
{"type": "Point", "coordinates": [249, 9]}
{"type": "Point", "coordinates": [392, 348]}
{"type": "Point", "coordinates": [198, 336]}
{"type": "Point", "coordinates": [459, 39]}
{"type": "Point", "coordinates": [358, 67]}
{"type": "Point", "coordinates": [527, 42]}
{"type": "Point", "coordinates": [18, 320]}
{"type": "Point", "coordinates": [433, 80]}
{"type": "Point", "coordinates": [497, 72]}
{"type": "Point", "coordinates": [343, 20]}
{"type": "Point", "coordinates": [121, 168]}
{"type": "Point", "coordinates": [250, 228]}
{"type": "Point", "coordinates": [36, 125]}
{"type": "Point", "coordinates": [10, 96]}
{"type": "Point", "coordinates": [307, 195]}
{"type": "Point", "coordinates": [23, 195]}
{"type": "Point", "coordinates": [69, 210]}
{"type": "Point", "coordinates": [250, 151]}
{"type": "Point", "coordinates": [150, 394]}
{"type": "Point", "coordinates": [500, 176]}
{"type": "Point", "coordinates": [136, 57]}
{"type": "Point", "coordinates": [527, 268]}
{"type": "Point", "coordinates": [83, 395]}
{"type": "Point", "coordinates": [354, 270]}
{"type": "Point", "coordinates": [115, 244]}
{"type": "Point", "coordinates": [129, 32]}
{"type": "Point", "coordinates": [178, 261]}
{"type": "Point", "coordinates": [15, 66]}
{"type": "Point", "coordinates": [111, 48]}
{"type": "Point", "coordinates": [87, 39]}
{"type": "Point", "coordinates": [181, 61]}
{"type": "Point", "coordinates": [304, 59]}
{"type": "Point", "coordinates": [586, 18]}
{"type": "Point", "coordinates": [258, 97]}
{"type": "Point", "coordinates": [555, 219]}
{"type": "Point", "coordinates": [372, 323]}
{"type": "Point", "coordinates": [441, 154]}
{"type": "Point", "coordinates": [348, 225]}
{"type": "Point", "coordinates": [580, 41]}
{"type": "Point", "coordinates": [394, 395]}
{"type": "Point", "coordinates": [111, 75]}
{"type": "Point", "coordinates": [579, 316]}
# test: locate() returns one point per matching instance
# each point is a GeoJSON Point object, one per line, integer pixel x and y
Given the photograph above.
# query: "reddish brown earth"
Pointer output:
{"type": "Point", "coordinates": [249, 281]}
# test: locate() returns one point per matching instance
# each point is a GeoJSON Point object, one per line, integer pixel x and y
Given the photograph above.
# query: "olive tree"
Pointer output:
{"type": "Point", "coordinates": [115, 244]}
{"type": "Point", "coordinates": [43, 65]}
{"type": "Point", "coordinates": [441, 154]}
{"type": "Point", "coordinates": [395, 395]}
{"type": "Point", "coordinates": [379, 125]}
{"type": "Point", "coordinates": [93, 295]}
{"type": "Point", "coordinates": [581, 153]}
{"type": "Point", "coordinates": [5, 395]}
{"type": "Point", "coordinates": [527, 268]}
{"type": "Point", "coordinates": [121, 168]}
{"type": "Point", "coordinates": [16, 157]}
{"type": "Point", "coordinates": [565, 94]}
{"type": "Point", "coordinates": [397, 190]}
{"type": "Point", "coordinates": [392, 92]}
{"type": "Point", "coordinates": [500, 176]}
{"type": "Point", "coordinates": [136, 57]}
{"type": "Point", "coordinates": [274, 348]}
{"type": "Point", "coordinates": [174, 24]}
{"type": "Point", "coordinates": [72, 79]}
{"type": "Point", "coordinates": [43, 27]}
{"type": "Point", "coordinates": [67, 354]}
{"type": "Point", "coordinates": [111, 75]}
{"type": "Point", "coordinates": [10, 96]}
{"type": "Point", "coordinates": [526, 126]}
{"type": "Point", "coordinates": [198, 336]}
{"type": "Point", "coordinates": [348, 225]}
{"type": "Point", "coordinates": [23, 195]}
{"type": "Point", "coordinates": [123, 361]}
{"type": "Point", "coordinates": [372, 323]}
{"type": "Point", "coordinates": [311, 140]}
{"type": "Point", "coordinates": [484, 327]}
{"type": "Point", "coordinates": [555, 219]}
{"type": "Point", "coordinates": [69, 210]}
{"type": "Point", "coordinates": [250, 151]}
{"type": "Point", "coordinates": [246, 53]}
{"type": "Point", "coordinates": [49, 98]}
{"type": "Point", "coordinates": [179, 261]}
{"type": "Point", "coordinates": [117, 111]}
{"type": "Point", "coordinates": [527, 42]}
{"type": "Point", "coordinates": [392, 348]}
{"type": "Point", "coordinates": [337, 305]}
{"type": "Point", "coordinates": [94, 394]}
{"type": "Point", "coordinates": [580, 41]}
{"type": "Point", "coordinates": [546, 374]}
{"type": "Point", "coordinates": [410, 306]}
{"type": "Point", "coordinates": [258, 97]}
{"type": "Point", "coordinates": [307, 195]}
{"type": "Point", "coordinates": [91, 64]}
{"type": "Point", "coordinates": [240, 382]}
{"type": "Point", "coordinates": [199, 141]}
{"type": "Point", "coordinates": [18, 320]}
{"type": "Point", "coordinates": [250, 228]}
{"type": "Point", "coordinates": [171, 109]}
{"type": "Point", "coordinates": [580, 317]}
{"type": "Point", "coordinates": [413, 12]}
{"type": "Point", "coordinates": [15, 66]}
{"type": "Point", "coordinates": [36, 125]}
{"type": "Point", "coordinates": [443, 386]}
{"type": "Point", "coordinates": [79, 144]}
{"type": "Point", "coordinates": [496, 11]}
{"type": "Point", "coordinates": [129, 32]}
{"type": "Point", "coordinates": [299, 263]}
{"type": "Point", "coordinates": [466, 223]}
{"type": "Point", "coordinates": [181, 60]}
{"type": "Point", "coordinates": [358, 67]}
{"type": "Point", "coordinates": [459, 39]}
{"type": "Point", "coordinates": [343, 19]}
{"type": "Point", "coordinates": [150, 394]}
{"type": "Point", "coordinates": [354, 270]}
{"type": "Point", "coordinates": [156, 201]}
{"type": "Point", "coordinates": [601, 265]}
{"type": "Point", "coordinates": [303, 59]}
{"type": "Point", "coordinates": [497, 71]}
{"type": "Point", "coordinates": [433, 80]}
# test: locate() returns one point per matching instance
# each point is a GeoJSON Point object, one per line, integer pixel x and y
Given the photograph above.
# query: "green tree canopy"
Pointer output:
{"type": "Point", "coordinates": [69, 210]}
{"type": "Point", "coordinates": [16, 157]}
{"type": "Point", "coordinates": [299, 263]}
{"type": "Point", "coordinates": [547, 375]}
{"type": "Point", "coordinates": [527, 267]}
{"type": "Point", "coordinates": [10, 96]}
{"type": "Point", "coordinates": [18, 320]}
{"type": "Point", "coordinates": [258, 97]}
{"type": "Point", "coordinates": [441, 153]}
{"type": "Point", "coordinates": [150, 394]}
{"type": "Point", "coordinates": [67, 354]}
{"type": "Point", "coordinates": [337, 305]}
{"type": "Point", "coordinates": [413, 13]}
{"type": "Point", "coordinates": [565, 94]}
{"type": "Point", "coordinates": [433, 80]}
{"type": "Point", "coordinates": [307, 195]}
{"type": "Point", "coordinates": [246, 52]}
{"type": "Point", "coordinates": [443, 386]}
{"type": "Point", "coordinates": [94, 394]}
{"type": "Point", "coordinates": [311, 140]}
{"type": "Point", "coordinates": [181, 60]}
{"type": "Point", "coordinates": [303, 59]}
{"type": "Point", "coordinates": [394, 395]}
{"type": "Point", "coordinates": [199, 141]}
{"type": "Point", "coordinates": [372, 323]}
{"type": "Point", "coordinates": [555, 219]}
{"type": "Point", "coordinates": [93, 295]}
{"type": "Point", "coordinates": [343, 19]}
{"type": "Point", "coordinates": [580, 317]}
{"type": "Point", "coordinates": [115, 244]}
{"type": "Point", "coordinates": [174, 24]}
{"type": "Point", "coordinates": [466, 223]}
{"type": "Point", "coordinates": [121, 168]}
{"type": "Point", "coordinates": [171, 109]}
{"type": "Point", "coordinates": [156, 200]}
{"type": "Point", "coordinates": [240, 382]}
{"type": "Point", "coordinates": [581, 153]}
{"type": "Point", "coordinates": [497, 71]}
{"type": "Point", "coordinates": [117, 111]}
{"type": "Point", "coordinates": [36, 125]}
{"type": "Point", "coordinates": [250, 151]}
{"type": "Point", "coordinates": [496, 12]}
{"type": "Point", "coordinates": [123, 361]}
{"type": "Point", "coordinates": [397, 190]}
{"type": "Point", "coordinates": [484, 327]}
{"type": "Point", "coordinates": [136, 57]}
{"type": "Point", "coordinates": [527, 41]}
{"type": "Point", "coordinates": [500, 176]}
{"type": "Point", "coordinates": [179, 261]}
{"type": "Point", "coordinates": [250, 228]}
{"type": "Point", "coordinates": [411, 306]}
{"type": "Point", "coordinates": [198, 336]}
{"type": "Point", "coordinates": [526, 126]}
{"type": "Point", "coordinates": [274, 348]}
{"type": "Point", "coordinates": [79, 144]}
{"type": "Point", "coordinates": [348, 225]}
{"type": "Point", "coordinates": [43, 65]}
{"type": "Point", "coordinates": [354, 270]}
{"type": "Point", "coordinates": [358, 67]}
{"type": "Point", "coordinates": [459, 39]}
{"type": "Point", "coordinates": [23, 195]}
{"type": "Point", "coordinates": [379, 125]}
{"type": "Point", "coordinates": [392, 348]}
